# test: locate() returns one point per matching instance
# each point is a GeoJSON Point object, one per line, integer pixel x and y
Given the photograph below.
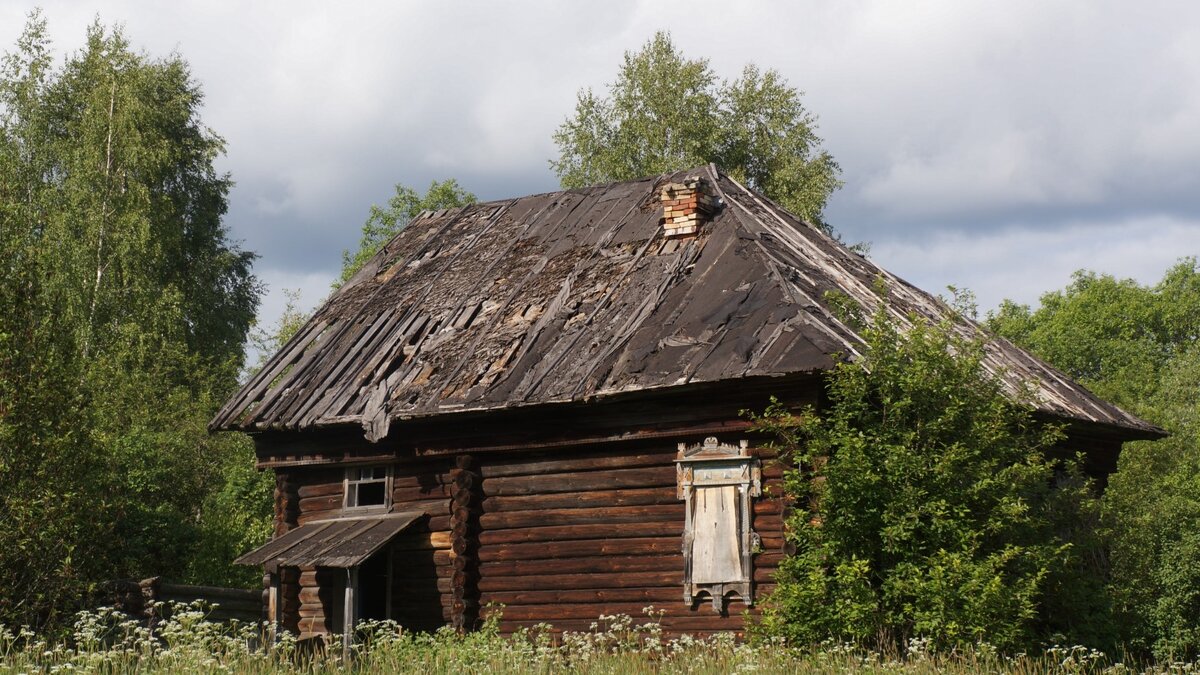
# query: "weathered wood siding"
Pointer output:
{"type": "Point", "coordinates": [422, 568]}
{"type": "Point", "coordinates": [558, 536]}
{"type": "Point", "coordinates": [566, 538]}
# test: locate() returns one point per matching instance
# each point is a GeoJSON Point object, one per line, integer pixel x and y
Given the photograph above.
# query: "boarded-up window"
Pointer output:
{"type": "Point", "coordinates": [718, 481]}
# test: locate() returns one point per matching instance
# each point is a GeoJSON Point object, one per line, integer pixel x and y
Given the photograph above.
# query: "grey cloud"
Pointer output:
{"type": "Point", "coordinates": [959, 125]}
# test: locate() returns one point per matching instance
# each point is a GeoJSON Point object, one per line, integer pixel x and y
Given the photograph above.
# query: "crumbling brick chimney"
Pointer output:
{"type": "Point", "coordinates": [686, 206]}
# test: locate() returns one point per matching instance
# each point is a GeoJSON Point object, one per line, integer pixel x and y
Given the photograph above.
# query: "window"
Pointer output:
{"type": "Point", "coordinates": [718, 481]}
{"type": "Point", "coordinates": [368, 486]}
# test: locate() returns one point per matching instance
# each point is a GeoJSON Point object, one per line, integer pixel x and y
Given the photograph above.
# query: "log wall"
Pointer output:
{"type": "Point", "coordinates": [556, 536]}
{"type": "Point", "coordinates": [566, 537]}
{"type": "Point", "coordinates": [422, 560]}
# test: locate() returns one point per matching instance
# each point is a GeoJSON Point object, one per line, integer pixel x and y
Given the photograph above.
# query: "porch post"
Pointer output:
{"type": "Point", "coordinates": [349, 612]}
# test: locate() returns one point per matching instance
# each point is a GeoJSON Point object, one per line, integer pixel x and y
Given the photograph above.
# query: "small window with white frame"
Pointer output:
{"type": "Point", "coordinates": [368, 487]}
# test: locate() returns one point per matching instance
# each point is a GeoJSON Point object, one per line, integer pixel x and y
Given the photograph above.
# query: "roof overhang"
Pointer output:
{"type": "Point", "coordinates": [341, 542]}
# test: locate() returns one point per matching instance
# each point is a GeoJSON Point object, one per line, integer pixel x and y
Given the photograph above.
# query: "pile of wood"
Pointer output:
{"type": "Point", "coordinates": [686, 206]}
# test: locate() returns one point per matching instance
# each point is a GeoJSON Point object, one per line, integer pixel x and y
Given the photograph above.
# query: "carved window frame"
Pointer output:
{"type": "Point", "coordinates": [712, 464]}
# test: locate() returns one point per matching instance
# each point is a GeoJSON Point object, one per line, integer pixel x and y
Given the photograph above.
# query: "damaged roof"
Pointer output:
{"type": "Point", "coordinates": [577, 294]}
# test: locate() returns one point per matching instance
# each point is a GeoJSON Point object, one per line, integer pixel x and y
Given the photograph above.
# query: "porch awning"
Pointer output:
{"type": "Point", "coordinates": [343, 542]}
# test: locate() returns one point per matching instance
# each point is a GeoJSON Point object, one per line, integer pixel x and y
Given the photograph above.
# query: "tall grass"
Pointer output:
{"type": "Point", "coordinates": [105, 641]}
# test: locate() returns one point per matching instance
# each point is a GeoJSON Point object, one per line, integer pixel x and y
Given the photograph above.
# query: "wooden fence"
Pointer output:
{"type": "Point", "coordinates": [138, 598]}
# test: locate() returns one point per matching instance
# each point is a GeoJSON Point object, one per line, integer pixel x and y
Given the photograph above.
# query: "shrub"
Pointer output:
{"type": "Point", "coordinates": [933, 508]}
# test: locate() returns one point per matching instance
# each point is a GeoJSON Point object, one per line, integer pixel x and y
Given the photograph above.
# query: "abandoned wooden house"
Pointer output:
{"type": "Point", "coordinates": [535, 403]}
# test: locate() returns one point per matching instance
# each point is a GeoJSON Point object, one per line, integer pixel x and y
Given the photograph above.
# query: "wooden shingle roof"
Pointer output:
{"type": "Point", "coordinates": [577, 294]}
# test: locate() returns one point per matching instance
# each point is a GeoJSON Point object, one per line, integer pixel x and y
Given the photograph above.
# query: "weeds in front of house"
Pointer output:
{"type": "Point", "coordinates": [105, 641]}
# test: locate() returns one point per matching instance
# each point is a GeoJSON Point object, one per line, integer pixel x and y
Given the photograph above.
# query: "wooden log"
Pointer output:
{"type": "Point", "coordinates": [577, 581]}
{"type": "Point", "coordinates": [505, 468]}
{"type": "Point", "coordinates": [207, 592]}
{"type": "Point", "coordinates": [320, 490]}
{"type": "Point", "coordinates": [628, 497]}
{"type": "Point", "coordinates": [765, 574]}
{"type": "Point", "coordinates": [415, 559]}
{"type": "Point", "coordinates": [310, 505]}
{"type": "Point", "coordinates": [556, 612]}
{"type": "Point", "coordinates": [436, 508]}
{"type": "Point", "coordinates": [671, 625]}
{"type": "Point", "coordinates": [580, 482]}
{"type": "Point", "coordinates": [772, 543]}
{"type": "Point", "coordinates": [311, 627]}
{"type": "Point", "coordinates": [768, 523]}
{"type": "Point", "coordinates": [580, 549]}
{"type": "Point", "coordinates": [768, 560]}
{"type": "Point", "coordinates": [767, 506]}
{"type": "Point", "coordinates": [311, 611]}
{"type": "Point", "coordinates": [464, 522]}
{"type": "Point", "coordinates": [573, 532]}
{"type": "Point", "coordinates": [422, 541]}
{"type": "Point", "coordinates": [660, 594]}
{"type": "Point", "coordinates": [423, 573]}
{"type": "Point", "coordinates": [642, 563]}
{"type": "Point", "coordinates": [423, 620]}
{"type": "Point", "coordinates": [424, 586]}
{"type": "Point", "coordinates": [418, 494]}
{"type": "Point", "coordinates": [772, 470]}
{"type": "Point", "coordinates": [221, 603]}
{"type": "Point", "coordinates": [580, 516]}
{"type": "Point", "coordinates": [422, 479]}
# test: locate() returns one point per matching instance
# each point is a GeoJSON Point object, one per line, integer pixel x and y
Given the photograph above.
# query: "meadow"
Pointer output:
{"type": "Point", "coordinates": [105, 641]}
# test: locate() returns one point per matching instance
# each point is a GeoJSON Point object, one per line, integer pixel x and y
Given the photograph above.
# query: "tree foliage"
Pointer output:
{"type": "Point", "coordinates": [384, 222]}
{"type": "Point", "coordinates": [665, 112]}
{"type": "Point", "coordinates": [934, 509]}
{"type": "Point", "coordinates": [1137, 346]}
{"type": "Point", "coordinates": [125, 310]}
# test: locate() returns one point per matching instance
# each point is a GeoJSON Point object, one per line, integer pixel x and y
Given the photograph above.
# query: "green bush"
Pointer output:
{"type": "Point", "coordinates": [933, 509]}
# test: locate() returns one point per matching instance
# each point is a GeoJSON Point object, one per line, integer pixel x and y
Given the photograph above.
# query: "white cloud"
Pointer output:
{"type": "Point", "coordinates": [1022, 262]}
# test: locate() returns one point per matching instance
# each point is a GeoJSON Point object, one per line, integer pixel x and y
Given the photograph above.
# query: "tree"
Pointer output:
{"type": "Point", "coordinates": [933, 508]}
{"type": "Point", "coordinates": [1137, 346]}
{"type": "Point", "coordinates": [126, 307]}
{"type": "Point", "coordinates": [383, 223]}
{"type": "Point", "coordinates": [665, 113]}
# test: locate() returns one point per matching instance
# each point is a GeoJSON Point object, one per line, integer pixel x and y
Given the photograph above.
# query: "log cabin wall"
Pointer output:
{"type": "Point", "coordinates": [567, 536]}
{"type": "Point", "coordinates": [422, 597]}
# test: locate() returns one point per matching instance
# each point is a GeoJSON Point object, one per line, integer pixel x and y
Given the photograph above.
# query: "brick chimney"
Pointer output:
{"type": "Point", "coordinates": [686, 206]}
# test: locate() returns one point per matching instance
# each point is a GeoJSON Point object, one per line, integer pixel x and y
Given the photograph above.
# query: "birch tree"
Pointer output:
{"type": "Point", "coordinates": [125, 309]}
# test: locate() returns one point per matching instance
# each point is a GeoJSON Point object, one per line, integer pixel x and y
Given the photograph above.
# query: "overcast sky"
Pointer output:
{"type": "Point", "coordinates": [992, 146]}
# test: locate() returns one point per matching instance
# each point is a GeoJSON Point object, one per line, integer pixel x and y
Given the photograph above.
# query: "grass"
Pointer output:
{"type": "Point", "coordinates": [105, 641]}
